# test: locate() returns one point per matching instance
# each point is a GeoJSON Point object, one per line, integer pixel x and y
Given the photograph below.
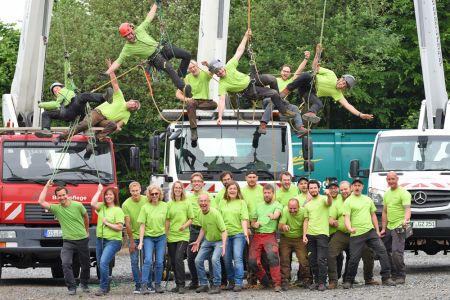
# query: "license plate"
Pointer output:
{"type": "Point", "coordinates": [52, 233]}
{"type": "Point", "coordinates": [424, 224]}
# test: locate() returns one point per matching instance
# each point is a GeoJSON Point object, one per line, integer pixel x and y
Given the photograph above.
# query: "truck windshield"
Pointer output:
{"type": "Point", "coordinates": [412, 153]}
{"type": "Point", "coordinates": [229, 148]}
{"type": "Point", "coordinates": [25, 161]}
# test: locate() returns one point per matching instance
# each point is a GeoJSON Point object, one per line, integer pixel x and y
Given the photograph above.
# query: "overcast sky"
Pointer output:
{"type": "Point", "coordinates": [11, 11]}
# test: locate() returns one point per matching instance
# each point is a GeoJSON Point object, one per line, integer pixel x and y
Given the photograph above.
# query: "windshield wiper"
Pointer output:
{"type": "Point", "coordinates": [21, 179]}
{"type": "Point", "coordinates": [64, 182]}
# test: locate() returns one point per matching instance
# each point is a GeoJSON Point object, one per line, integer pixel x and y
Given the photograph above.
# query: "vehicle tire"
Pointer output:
{"type": "Point", "coordinates": [57, 271]}
{"type": "Point", "coordinates": [307, 147]}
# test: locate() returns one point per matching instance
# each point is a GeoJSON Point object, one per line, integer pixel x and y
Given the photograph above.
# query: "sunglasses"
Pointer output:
{"type": "Point", "coordinates": [154, 194]}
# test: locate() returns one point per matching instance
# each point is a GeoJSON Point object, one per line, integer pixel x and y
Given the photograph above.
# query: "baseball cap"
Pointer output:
{"type": "Point", "coordinates": [357, 179]}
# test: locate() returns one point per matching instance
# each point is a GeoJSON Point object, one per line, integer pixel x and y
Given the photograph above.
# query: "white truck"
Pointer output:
{"type": "Point", "coordinates": [420, 157]}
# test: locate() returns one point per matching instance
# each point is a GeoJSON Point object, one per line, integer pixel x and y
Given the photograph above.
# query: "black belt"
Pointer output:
{"type": "Point", "coordinates": [196, 226]}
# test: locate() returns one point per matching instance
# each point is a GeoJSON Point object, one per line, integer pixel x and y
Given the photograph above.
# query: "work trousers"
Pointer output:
{"type": "Point", "coordinates": [287, 246]}
{"type": "Point", "coordinates": [97, 119]}
{"type": "Point", "coordinates": [177, 252]}
{"type": "Point", "coordinates": [395, 247]}
{"type": "Point", "coordinates": [193, 105]}
{"type": "Point", "coordinates": [307, 91]}
{"type": "Point", "coordinates": [69, 248]}
{"type": "Point", "coordinates": [318, 254]}
{"type": "Point", "coordinates": [266, 242]}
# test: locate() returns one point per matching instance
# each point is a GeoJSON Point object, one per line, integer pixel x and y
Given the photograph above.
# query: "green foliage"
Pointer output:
{"type": "Point", "coordinates": [9, 45]}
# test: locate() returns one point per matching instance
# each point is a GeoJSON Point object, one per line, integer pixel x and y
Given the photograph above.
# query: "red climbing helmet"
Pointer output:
{"type": "Point", "coordinates": [125, 29]}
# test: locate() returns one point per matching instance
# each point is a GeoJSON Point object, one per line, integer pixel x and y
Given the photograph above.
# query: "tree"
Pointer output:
{"type": "Point", "coordinates": [9, 45]}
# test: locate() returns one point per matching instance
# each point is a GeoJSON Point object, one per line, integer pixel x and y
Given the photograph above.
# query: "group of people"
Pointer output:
{"type": "Point", "coordinates": [193, 88]}
{"type": "Point", "coordinates": [257, 224]}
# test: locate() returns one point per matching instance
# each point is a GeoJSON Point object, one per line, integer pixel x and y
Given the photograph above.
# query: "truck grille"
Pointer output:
{"type": "Point", "coordinates": [429, 198]}
{"type": "Point", "coordinates": [35, 213]}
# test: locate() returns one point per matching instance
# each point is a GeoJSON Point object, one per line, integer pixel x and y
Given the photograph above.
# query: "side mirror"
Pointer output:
{"type": "Point", "coordinates": [135, 159]}
{"type": "Point", "coordinates": [174, 135]}
{"type": "Point", "coordinates": [354, 168]}
{"type": "Point", "coordinates": [154, 147]}
{"type": "Point", "coordinates": [308, 166]}
{"type": "Point", "coordinates": [154, 166]}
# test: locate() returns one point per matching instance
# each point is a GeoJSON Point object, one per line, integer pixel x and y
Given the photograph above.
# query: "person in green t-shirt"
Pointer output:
{"type": "Point", "coordinates": [69, 103]}
{"type": "Point", "coordinates": [131, 208]}
{"type": "Point", "coordinates": [291, 227]}
{"type": "Point", "coordinates": [322, 83]}
{"type": "Point", "coordinates": [340, 240]}
{"type": "Point", "coordinates": [112, 117]}
{"type": "Point", "coordinates": [199, 80]}
{"type": "Point", "coordinates": [395, 218]}
{"type": "Point", "coordinates": [315, 234]}
{"type": "Point", "coordinates": [235, 216]}
{"type": "Point", "coordinates": [362, 223]}
{"type": "Point", "coordinates": [110, 222]}
{"type": "Point", "coordinates": [282, 82]}
{"type": "Point", "coordinates": [214, 245]}
{"type": "Point", "coordinates": [225, 177]}
{"type": "Point", "coordinates": [152, 238]}
{"type": "Point", "coordinates": [179, 218]}
{"type": "Point", "coordinates": [264, 220]}
{"type": "Point", "coordinates": [287, 190]}
{"type": "Point", "coordinates": [250, 87]}
{"type": "Point", "coordinates": [141, 45]}
{"type": "Point", "coordinates": [303, 194]}
{"type": "Point", "coordinates": [74, 221]}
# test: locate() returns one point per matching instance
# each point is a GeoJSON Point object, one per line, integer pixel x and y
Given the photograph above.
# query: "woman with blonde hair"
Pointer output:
{"type": "Point", "coordinates": [235, 216]}
{"type": "Point", "coordinates": [152, 237]}
{"type": "Point", "coordinates": [179, 218]}
{"type": "Point", "coordinates": [109, 232]}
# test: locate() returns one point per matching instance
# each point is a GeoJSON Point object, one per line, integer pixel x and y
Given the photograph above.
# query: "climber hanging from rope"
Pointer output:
{"type": "Point", "coordinates": [141, 45]}
{"type": "Point", "coordinates": [322, 82]}
{"type": "Point", "coordinates": [69, 103]}
{"type": "Point", "coordinates": [250, 87]}
{"type": "Point", "coordinates": [112, 116]}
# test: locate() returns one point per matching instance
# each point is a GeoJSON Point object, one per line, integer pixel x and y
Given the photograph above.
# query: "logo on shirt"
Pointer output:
{"type": "Point", "coordinates": [420, 197]}
{"type": "Point", "coordinates": [73, 197]}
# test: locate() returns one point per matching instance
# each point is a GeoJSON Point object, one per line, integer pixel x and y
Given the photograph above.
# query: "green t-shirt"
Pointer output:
{"type": "Point", "coordinates": [117, 110]}
{"type": "Point", "coordinates": [142, 48]}
{"type": "Point", "coordinates": [199, 85]}
{"type": "Point", "coordinates": [316, 211]}
{"type": "Point", "coordinates": [295, 222]}
{"type": "Point", "coordinates": [360, 209]}
{"type": "Point", "coordinates": [261, 215]}
{"type": "Point", "coordinates": [283, 196]}
{"type": "Point", "coordinates": [301, 198]}
{"type": "Point", "coordinates": [282, 84]}
{"type": "Point", "coordinates": [178, 213]}
{"type": "Point", "coordinates": [253, 196]}
{"type": "Point", "coordinates": [219, 197]}
{"type": "Point", "coordinates": [132, 209]}
{"type": "Point", "coordinates": [326, 84]}
{"type": "Point", "coordinates": [192, 198]}
{"type": "Point", "coordinates": [154, 218]}
{"type": "Point", "coordinates": [213, 225]}
{"type": "Point", "coordinates": [234, 81]}
{"type": "Point", "coordinates": [233, 212]}
{"type": "Point", "coordinates": [395, 202]}
{"type": "Point", "coordinates": [113, 215]}
{"type": "Point", "coordinates": [335, 212]}
{"type": "Point", "coordinates": [71, 220]}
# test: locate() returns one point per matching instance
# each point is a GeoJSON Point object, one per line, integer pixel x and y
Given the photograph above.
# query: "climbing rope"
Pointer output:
{"type": "Point", "coordinates": [91, 137]}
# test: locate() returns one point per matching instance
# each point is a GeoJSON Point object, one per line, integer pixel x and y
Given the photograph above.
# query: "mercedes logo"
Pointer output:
{"type": "Point", "coordinates": [420, 197]}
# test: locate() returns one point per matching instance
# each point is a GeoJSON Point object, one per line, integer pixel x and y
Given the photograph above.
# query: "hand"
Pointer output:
{"type": "Point", "coordinates": [327, 192]}
{"type": "Point", "coordinates": [382, 232]}
{"type": "Point", "coordinates": [307, 54]}
{"type": "Point", "coordinates": [66, 55]}
{"type": "Point", "coordinates": [285, 228]}
{"type": "Point", "coordinates": [219, 121]}
{"type": "Point", "coordinates": [49, 183]}
{"type": "Point", "coordinates": [405, 223]}
{"type": "Point", "coordinates": [248, 33]}
{"type": "Point", "coordinates": [205, 63]}
{"type": "Point", "coordinates": [256, 225]}
{"type": "Point", "coordinates": [108, 62]}
{"type": "Point", "coordinates": [139, 246]}
{"type": "Point", "coordinates": [379, 233]}
{"type": "Point", "coordinates": [318, 47]}
{"type": "Point", "coordinates": [182, 228]}
{"type": "Point", "coordinates": [305, 240]}
{"type": "Point", "coordinates": [105, 222]}
{"type": "Point", "coordinates": [223, 251]}
{"type": "Point", "coordinates": [352, 230]}
{"type": "Point", "coordinates": [247, 239]}
{"type": "Point", "coordinates": [195, 245]}
{"type": "Point", "coordinates": [99, 188]}
{"type": "Point", "coordinates": [366, 116]}
{"type": "Point", "coordinates": [132, 247]}
{"type": "Point", "coordinates": [335, 223]}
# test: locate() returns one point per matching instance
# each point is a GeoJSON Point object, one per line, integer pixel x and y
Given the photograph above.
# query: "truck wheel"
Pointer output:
{"type": "Point", "coordinates": [57, 271]}
{"type": "Point", "coordinates": [307, 147]}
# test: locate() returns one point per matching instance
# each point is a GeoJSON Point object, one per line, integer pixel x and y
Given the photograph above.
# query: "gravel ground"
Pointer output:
{"type": "Point", "coordinates": [427, 278]}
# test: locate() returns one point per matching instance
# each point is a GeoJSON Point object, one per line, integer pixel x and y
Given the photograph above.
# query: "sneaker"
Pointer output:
{"type": "Point", "coordinates": [108, 95]}
{"type": "Point", "coordinates": [145, 289]}
{"type": "Point", "coordinates": [202, 289]}
{"type": "Point", "coordinates": [388, 282]}
{"type": "Point", "coordinates": [347, 285]}
{"type": "Point", "coordinates": [229, 286]}
{"type": "Point", "coordinates": [237, 288]}
{"type": "Point", "coordinates": [262, 128]}
{"type": "Point", "coordinates": [311, 117]}
{"type": "Point", "coordinates": [277, 289]}
{"type": "Point", "coordinates": [288, 114]}
{"type": "Point", "coordinates": [313, 286]}
{"type": "Point", "coordinates": [72, 292]}
{"type": "Point", "coordinates": [57, 140]}
{"type": "Point", "coordinates": [194, 134]}
{"type": "Point", "coordinates": [192, 286]}
{"type": "Point", "coordinates": [44, 133]}
{"type": "Point", "coordinates": [85, 288]}
{"type": "Point", "coordinates": [158, 289]}
{"type": "Point", "coordinates": [187, 91]}
{"type": "Point", "coordinates": [175, 289]}
{"type": "Point", "coordinates": [321, 287]}
{"type": "Point", "coordinates": [181, 290]}
{"type": "Point", "coordinates": [285, 286]}
{"type": "Point", "coordinates": [372, 282]}
{"type": "Point", "coordinates": [332, 285]}
{"type": "Point", "coordinates": [100, 292]}
{"type": "Point", "coordinates": [214, 290]}
{"type": "Point", "coordinates": [302, 131]}
{"type": "Point", "coordinates": [400, 280]}
{"type": "Point", "coordinates": [137, 290]}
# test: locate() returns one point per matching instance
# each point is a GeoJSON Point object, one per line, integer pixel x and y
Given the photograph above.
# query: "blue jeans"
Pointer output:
{"type": "Point", "coordinates": [235, 252]}
{"type": "Point", "coordinates": [152, 245]}
{"type": "Point", "coordinates": [134, 259]}
{"type": "Point", "coordinates": [207, 248]}
{"type": "Point", "coordinates": [268, 107]}
{"type": "Point", "coordinates": [106, 250]}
